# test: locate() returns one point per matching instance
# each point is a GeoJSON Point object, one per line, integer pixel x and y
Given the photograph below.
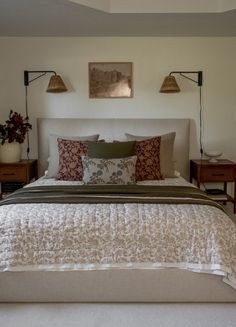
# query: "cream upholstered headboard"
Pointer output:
{"type": "Point", "coordinates": [115, 129]}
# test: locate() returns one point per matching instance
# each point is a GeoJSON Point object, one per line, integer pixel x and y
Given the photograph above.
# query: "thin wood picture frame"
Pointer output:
{"type": "Point", "coordinates": [109, 80]}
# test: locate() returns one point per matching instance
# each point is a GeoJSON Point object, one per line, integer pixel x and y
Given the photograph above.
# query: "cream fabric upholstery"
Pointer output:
{"type": "Point", "coordinates": [164, 285]}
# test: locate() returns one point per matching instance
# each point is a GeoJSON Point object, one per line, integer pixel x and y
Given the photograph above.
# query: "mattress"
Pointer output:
{"type": "Point", "coordinates": [117, 252]}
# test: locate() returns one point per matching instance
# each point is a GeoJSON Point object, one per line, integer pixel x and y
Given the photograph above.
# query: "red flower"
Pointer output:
{"type": "Point", "coordinates": [15, 128]}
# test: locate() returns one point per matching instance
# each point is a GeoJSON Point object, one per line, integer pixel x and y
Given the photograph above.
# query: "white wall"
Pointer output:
{"type": "Point", "coordinates": [152, 58]}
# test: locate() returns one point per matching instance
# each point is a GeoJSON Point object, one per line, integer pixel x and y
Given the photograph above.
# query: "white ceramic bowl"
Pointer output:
{"type": "Point", "coordinates": [213, 155]}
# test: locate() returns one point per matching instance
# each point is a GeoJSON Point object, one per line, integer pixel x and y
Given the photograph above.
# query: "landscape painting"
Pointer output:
{"type": "Point", "coordinates": [110, 80]}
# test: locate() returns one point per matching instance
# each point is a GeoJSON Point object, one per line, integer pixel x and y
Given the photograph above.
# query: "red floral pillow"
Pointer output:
{"type": "Point", "coordinates": [148, 159]}
{"type": "Point", "coordinates": [70, 163]}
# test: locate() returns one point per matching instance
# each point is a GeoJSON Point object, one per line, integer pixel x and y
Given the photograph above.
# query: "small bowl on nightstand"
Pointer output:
{"type": "Point", "coordinates": [213, 155]}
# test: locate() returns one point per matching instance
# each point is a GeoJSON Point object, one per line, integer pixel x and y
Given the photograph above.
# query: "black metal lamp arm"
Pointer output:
{"type": "Point", "coordinates": [42, 72]}
{"type": "Point", "coordinates": [26, 83]}
{"type": "Point", "coordinates": [199, 76]}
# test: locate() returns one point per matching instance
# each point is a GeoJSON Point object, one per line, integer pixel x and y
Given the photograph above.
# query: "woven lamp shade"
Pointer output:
{"type": "Point", "coordinates": [56, 85]}
{"type": "Point", "coordinates": [169, 85]}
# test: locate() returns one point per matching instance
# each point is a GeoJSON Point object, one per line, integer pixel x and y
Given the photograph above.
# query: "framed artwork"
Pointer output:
{"type": "Point", "coordinates": [110, 80]}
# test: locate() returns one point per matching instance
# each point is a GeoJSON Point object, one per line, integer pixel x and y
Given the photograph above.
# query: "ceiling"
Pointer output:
{"type": "Point", "coordinates": [117, 18]}
{"type": "Point", "coordinates": [159, 6]}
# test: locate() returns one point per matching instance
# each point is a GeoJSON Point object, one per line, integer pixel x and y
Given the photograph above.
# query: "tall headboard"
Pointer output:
{"type": "Point", "coordinates": [115, 129]}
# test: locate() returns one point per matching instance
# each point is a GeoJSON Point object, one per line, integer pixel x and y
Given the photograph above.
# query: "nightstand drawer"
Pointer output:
{"type": "Point", "coordinates": [218, 174]}
{"type": "Point", "coordinates": [16, 173]}
{"type": "Point", "coordinates": [222, 171]}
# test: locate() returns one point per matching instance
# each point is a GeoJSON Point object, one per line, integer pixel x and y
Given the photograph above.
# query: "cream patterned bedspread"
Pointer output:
{"type": "Point", "coordinates": [117, 236]}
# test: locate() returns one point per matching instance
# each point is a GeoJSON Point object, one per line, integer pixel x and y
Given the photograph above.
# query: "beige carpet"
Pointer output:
{"type": "Point", "coordinates": [117, 315]}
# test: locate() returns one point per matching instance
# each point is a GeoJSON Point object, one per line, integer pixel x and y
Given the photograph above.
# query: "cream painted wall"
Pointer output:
{"type": "Point", "coordinates": [152, 58]}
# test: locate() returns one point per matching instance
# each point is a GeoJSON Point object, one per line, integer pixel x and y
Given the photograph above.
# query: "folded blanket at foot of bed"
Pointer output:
{"type": "Point", "coordinates": [111, 194]}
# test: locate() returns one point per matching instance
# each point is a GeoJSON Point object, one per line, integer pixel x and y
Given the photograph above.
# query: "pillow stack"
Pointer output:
{"type": "Point", "coordinates": [85, 158]}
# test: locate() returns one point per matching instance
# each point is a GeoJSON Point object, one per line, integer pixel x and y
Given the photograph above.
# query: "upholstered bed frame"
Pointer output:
{"type": "Point", "coordinates": [161, 286]}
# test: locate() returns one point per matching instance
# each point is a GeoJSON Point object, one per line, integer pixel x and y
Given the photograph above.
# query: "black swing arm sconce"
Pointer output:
{"type": "Point", "coordinates": [170, 85]}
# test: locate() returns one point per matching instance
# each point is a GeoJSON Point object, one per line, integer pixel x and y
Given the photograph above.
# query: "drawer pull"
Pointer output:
{"type": "Point", "coordinates": [8, 174]}
{"type": "Point", "coordinates": [220, 174]}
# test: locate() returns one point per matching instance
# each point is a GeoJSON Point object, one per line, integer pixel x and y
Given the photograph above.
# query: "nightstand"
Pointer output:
{"type": "Point", "coordinates": [20, 173]}
{"type": "Point", "coordinates": [223, 171]}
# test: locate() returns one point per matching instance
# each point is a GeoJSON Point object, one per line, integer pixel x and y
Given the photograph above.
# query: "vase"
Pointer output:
{"type": "Point", "coordinates": [10, 152]}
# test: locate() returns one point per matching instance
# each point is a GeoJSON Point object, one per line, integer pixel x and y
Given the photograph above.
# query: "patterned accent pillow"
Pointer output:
{"type": "Point", "coordinates": [109, 171]}
{"type": "Point", "coordinates": [166, 151]}
{"type": "Point", "coordinates": [148, 159]}
{"type": "Point", "coordinates": [70, 163]}
{"type": "Point", "coordinates": [53, 150]}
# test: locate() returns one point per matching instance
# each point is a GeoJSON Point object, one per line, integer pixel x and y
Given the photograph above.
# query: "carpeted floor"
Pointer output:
{"type": "Point", "coordinates": [117, 315]}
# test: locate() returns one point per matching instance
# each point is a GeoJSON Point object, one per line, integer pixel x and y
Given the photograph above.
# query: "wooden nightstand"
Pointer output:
{"type": "Point", "coordinates": [222, 171]}
{"type": "Point", "coordinates": [19, 172]}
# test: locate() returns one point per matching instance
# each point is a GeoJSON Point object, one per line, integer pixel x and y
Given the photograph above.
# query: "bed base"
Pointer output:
{"type": "Point", "coordinates": [163, 285]}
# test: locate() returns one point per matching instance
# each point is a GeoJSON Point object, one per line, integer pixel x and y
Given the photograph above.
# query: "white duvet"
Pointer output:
{"type": "Point", "coordinates": [117, 236]}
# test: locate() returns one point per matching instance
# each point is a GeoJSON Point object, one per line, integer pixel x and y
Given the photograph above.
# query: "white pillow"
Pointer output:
{"type": "Point", "coordinates": [53, 151]}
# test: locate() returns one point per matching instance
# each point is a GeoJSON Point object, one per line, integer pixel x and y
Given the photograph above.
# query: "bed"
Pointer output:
{"type": "Point", "coordinates": [106, 282]}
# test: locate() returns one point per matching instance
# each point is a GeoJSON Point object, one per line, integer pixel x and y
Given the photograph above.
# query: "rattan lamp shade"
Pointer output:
{"type": "Point", "coordinates": [56, 85]}
{"type": "Point", "coordinates": [169, 85]}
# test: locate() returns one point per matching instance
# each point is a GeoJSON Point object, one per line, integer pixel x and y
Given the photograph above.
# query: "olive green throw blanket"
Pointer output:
{"type": "Point", "coordinates": [111, 194]}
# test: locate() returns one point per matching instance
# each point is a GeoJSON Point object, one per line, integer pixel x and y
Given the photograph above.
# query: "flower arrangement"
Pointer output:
{"type": "Point", "coordinates": [14, 129]}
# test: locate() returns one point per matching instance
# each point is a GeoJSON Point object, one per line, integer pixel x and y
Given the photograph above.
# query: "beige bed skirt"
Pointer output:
{"type": "Point", "coordinates": [162, 285]}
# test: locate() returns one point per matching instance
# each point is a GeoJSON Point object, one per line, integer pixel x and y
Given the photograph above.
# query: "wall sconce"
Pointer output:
{"type": "Point", "coordinates": [56, 85]}
{"type": "Point", "coordinates": [170, 86]}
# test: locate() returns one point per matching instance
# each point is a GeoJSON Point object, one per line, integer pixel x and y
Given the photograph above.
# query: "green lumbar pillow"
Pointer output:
{"type": "Point", "coordinates": [111, 150]}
